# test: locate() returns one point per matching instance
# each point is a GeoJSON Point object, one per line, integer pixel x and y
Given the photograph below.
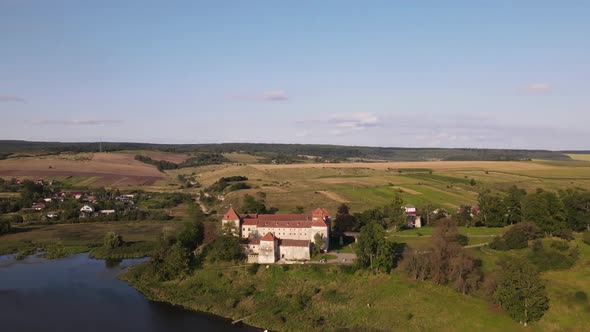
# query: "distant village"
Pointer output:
{"type": "Point", "coordinates": [42, 200]}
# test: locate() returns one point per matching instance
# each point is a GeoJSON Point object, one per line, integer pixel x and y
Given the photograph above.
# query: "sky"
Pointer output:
{"type": "Point", "coordinates": [476, 74]}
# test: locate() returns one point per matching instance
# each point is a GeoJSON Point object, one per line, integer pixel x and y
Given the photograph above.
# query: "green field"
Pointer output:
{"type": "Point", "coordinates": [71, 238]}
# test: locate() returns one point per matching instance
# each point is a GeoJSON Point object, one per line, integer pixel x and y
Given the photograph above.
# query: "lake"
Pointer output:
{"type": "Point", "coordinates": [82, 294]}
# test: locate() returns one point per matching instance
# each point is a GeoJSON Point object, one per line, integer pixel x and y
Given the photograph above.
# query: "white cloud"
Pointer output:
{"type": "Point", "coordinates": [277, 95]}
{"type": "Point", "coordinates": [539, 88]}
{"type": "Point", "coordinates": [11, 98]}
{"type": "Point", "coordinates": [87, 122]}
{"type": "Point", "coordinates": [353, 121]}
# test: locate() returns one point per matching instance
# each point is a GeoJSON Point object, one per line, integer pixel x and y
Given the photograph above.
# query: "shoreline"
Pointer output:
{"type": "Point", "coordinates": [148, 295]}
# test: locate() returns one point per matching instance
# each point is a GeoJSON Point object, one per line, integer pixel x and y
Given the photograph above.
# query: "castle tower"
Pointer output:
{"type": "Point", "coordinates": [232, 218]}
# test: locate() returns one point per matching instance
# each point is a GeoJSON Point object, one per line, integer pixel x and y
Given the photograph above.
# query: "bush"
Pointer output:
{"type": "Point", "coordinates": [226, 248]}
{"type": "Point", "coordinates": [586, 237]}
{"type": "Point", "coordinates": [516, 237]}
{"type": "Point", "coordinates": [253, 269]}
{"type": "Point", "coordinates": [4, 227]}
{"type": "Point", "coordinates": [565, 234]}
{"type": "Point", "coordinates": [552, 259]}
{"type": "Point", "coordinates": [112, 240]}
{"type": "Point", "coordinates": [581, 296]}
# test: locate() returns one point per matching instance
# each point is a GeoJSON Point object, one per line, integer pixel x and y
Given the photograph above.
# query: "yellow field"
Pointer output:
{"type": "Point", "coordinates": [584, 157]}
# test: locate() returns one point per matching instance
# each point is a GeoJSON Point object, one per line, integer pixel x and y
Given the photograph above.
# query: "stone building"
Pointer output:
{"type": "Point", "coordinates": [272, 237]}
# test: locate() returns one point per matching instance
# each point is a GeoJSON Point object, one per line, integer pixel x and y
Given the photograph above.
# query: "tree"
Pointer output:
{"type": "Point", "coordinates": [4, 227]}
{"type": "Point", "coordinates": [112, 240]}
{"type": "Point", "coordinates": [195, 213]}
{"type": "Point", "coordinates": [516, 237]}
{"type": "Point", "coordinates": [465, 215]}
{"type": "Point", "coordinates": [318, 243]}
{"type": "Point", "coordinates": [395, 212]}
{"type": "Point", "coordinates": [252, 205]}
{"type": "Point", "coordinates": [368, 216]}
{"type": "Point", "coordinates": [545, 210]}
{"type": "Point", "coordinates": [226, 248]}
{"type": "Point", "coordinates": [191, 235]}
{"type": "Point", "coordinates": [492, 210]}
{"type": "Point", "coordinates": [370, 242]}
{"type": "Point", "coordinates": [520, 291]}
{"type": "Point", "coordinates": [343, 220]}
{"type": "Point", "coordinates": [445, 246]}
{"type": "Point", "coordinates": [299, 209]}
{"type": "Point", "coordinates": [513, 205]}
{"type": "Point", "coordinates": [465, 273]}
{"type": "Point", "coordinates": [171, 262]}
{"type": "Point", "coordinates": [416, 264]}
{"type": "Point", "coordinates": [577, 208]}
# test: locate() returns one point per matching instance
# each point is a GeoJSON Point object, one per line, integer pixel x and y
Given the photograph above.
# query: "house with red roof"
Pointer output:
{"type": "Point", "coordinates": [272, 237]}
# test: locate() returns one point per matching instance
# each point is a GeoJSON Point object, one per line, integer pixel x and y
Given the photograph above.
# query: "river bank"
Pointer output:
{"type": "Point", "coordinates": [321, 297]}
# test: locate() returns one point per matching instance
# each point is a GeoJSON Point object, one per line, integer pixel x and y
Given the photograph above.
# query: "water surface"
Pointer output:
{"type": "Point", "coordinates": [82, 294]}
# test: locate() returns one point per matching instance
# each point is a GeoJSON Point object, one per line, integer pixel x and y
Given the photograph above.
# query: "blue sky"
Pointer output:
{"type": "Point", "coordinates": [494, 74]}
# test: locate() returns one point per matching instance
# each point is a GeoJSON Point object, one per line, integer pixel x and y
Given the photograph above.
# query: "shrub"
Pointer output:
{"type": "Point", "coordinates": [565, 234]}
{"type": "Point", "coordinates": [253, 269]}
{"type": "Point", "coordinates": [4, 226]}
{"type": "Point", "coordinates": [112, 240]}
{"type": "Point", "coordinates": [581, 296]}
{"type": "Point", "coordinates": [552, 259]}
{"type": "Point", "coordinates": [516, 237]}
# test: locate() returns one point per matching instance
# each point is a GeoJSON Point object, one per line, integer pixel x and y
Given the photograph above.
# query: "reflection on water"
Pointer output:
{"type": "Point", "coordinates": [82, 294]}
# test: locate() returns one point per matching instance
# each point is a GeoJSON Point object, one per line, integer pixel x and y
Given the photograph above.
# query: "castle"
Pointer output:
{"type": "Point", "coordinates": [273, 237]}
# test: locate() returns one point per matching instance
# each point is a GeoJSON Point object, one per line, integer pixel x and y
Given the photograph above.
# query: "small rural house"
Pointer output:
{"type": "Point", "coordinates": [38, 206]}
{"type": "Point", "coordinates": [87, 209]}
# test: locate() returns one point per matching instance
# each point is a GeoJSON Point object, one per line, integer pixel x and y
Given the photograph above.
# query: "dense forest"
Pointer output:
{"type": "Point", "coordinates": [270, 151]}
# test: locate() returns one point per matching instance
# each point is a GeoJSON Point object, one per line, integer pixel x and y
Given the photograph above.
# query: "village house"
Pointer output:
{"type": "Point", "coordinates": [38, 206]}
{"type": "Point", "coordinates": [413, 220]}
{"type": "Point", "coordinates": [86, 210]}
{"type": "Point", "coordinates": [272, 237]}
{"type": "Point", "coordinates": [106, 212]}
{"type": "Point", "coordinates": [51, 215]}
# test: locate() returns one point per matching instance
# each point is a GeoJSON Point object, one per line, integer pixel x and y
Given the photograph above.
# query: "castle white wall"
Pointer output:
{"type": "Point", "coordinates": [324, 232]}
{"type": "Point", "coordinates": [294, 253]}
{"type": "Point", "coordinates": [268, 252]}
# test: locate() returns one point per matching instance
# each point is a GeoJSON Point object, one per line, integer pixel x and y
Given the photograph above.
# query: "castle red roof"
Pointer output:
{"type": "Point", "coordinates": [319, 223]}
{"type": "Point", "coordinates": [250, 222]}
{"type": "Point", "coordinates": [231, 215]}
{"type": "Point", "coordinates": [284, 217]}
{"type": "Point", "coordinates": [294, 243]}
{"type": "Point", "coordinates": [253, 240]}
{"type": "Point", "coordinates": [268, 237]}
{"type": "Point", "coordinates": [285, 224]}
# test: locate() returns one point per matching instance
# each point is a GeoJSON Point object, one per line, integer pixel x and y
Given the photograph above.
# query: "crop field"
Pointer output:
{"type": "Point", "coordinates": [159, 155]}
{"type": "Point", "coordinates": [584, 157]}
{"type": "Point", "coordinates": [445, 184]}
{"type": "Point", "coordinates": [367, 185]}
{"type": "Point", "coordinates": [98, 169]}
